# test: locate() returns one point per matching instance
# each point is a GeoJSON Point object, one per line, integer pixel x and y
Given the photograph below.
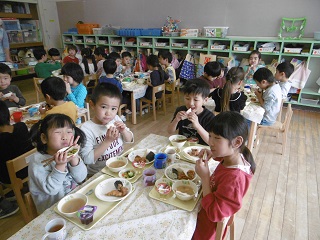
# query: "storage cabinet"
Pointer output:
{"type": "Point", "coordinates": [236, 48]}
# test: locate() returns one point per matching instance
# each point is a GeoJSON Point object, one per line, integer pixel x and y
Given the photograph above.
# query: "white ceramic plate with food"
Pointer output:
{"type": "Point", "coordinates": [108, 185]}
{"type": "Point", "coordinates": [142, 153]}
{"type": "Point", "coordinates": [192, 152]}
{"type": "Point", "coordinates": [180, 171]}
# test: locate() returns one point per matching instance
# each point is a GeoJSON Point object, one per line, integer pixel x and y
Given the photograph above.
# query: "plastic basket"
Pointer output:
{"type": "Point", "coordinates": [171, 34]}
{"type": "Point", "coordinates": [151, 32]}
{"type": "Point", "coordinates": [97, 31]}
{"type": "Point", "coordinates": [216, 32]}
{"type": "Point", "coordinates": [86, 28]}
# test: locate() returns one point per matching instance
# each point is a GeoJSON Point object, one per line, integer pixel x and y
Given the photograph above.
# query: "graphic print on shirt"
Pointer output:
{"type": "Point", "coordinates": [113, 150]}
{"type": "Point", "coordinates": [189, 130]}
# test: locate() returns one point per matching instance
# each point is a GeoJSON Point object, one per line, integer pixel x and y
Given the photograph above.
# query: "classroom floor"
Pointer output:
{"type": "Point", "coordinates": [283, 200]}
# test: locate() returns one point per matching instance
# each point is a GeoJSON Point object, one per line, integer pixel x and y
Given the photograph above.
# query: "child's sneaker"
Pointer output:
{"type": "Point", "coordinates": [127, 111]}
{"type": "Point", "coordinates": [146, 110]}
{"type": "Point", "coordinates": [123, 118]}
{"type": "Point", "coordinates": [7, 208]}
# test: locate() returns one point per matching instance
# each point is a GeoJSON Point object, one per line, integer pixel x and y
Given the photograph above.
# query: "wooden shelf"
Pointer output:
{"type": "Point", "coordinates": [22, 45]}
{"type": "Point", "coordinates": [15, 15]}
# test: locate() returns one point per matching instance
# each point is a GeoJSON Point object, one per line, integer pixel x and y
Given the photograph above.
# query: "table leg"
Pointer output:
{"type": "Point", "coordinates": [134, 108]}
{"type": "Point", "coordinates": [252, 133]}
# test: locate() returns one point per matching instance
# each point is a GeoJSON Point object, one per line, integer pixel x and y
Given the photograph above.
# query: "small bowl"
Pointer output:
{"type": "Point", "coordinates": [184, 183]}
{"type": "Point", "coordinates": [181, 140]}
{"type": "Point", "coordinates": [163, 181]}
{"type": "Point", "coordinates": [71, 152]}
{"type": "Point", "coordinates": [116, 159]}
{"type": "Point", "coordinates": [124, 173]}
{"type": "Point", "coordinates": [140, 80]}
{"type": "Point", "coordinates": [77, 200]}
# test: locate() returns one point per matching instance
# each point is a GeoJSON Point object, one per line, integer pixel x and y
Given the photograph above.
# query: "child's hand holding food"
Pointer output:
{"type": "Point", "coordinates": [121, 127]}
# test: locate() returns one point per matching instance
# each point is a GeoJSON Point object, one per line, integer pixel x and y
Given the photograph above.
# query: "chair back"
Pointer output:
{"type": "Point", "coordinates": [36, 83]}
{"type": "Point", "coordinates": [14, 166]}
{"type": "Point", "coordinates": [87, 79]}
{"type": "Point", "coordinates": [157, 89]}
{"type": "Point", "coordinates": [279, 118]}
{"type": "Point", "coordinates": [31, 207]}
{"type": "Point", "coordinates": [287, 119]}
{"type": "Point", "coordinates": [221, 226]}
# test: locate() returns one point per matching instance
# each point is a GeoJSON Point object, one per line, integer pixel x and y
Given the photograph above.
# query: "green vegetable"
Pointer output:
{"type": "Point", "coordinates": [130, 174]}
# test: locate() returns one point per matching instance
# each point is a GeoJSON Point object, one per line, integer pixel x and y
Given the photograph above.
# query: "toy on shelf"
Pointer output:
{"type": "Point", "coordinates": [292, 28]}
{"type": "Point", "coordinates": [171, 28]}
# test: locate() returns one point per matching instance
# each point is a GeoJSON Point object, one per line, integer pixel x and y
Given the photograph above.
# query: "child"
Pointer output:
{"type": "Point", "coordinates": [224, 189]}
{"type": "Point", "coordinates": [254, 65]}
{"type": "Point", "coordinates": [105, 132]}
{"type": "Point", "coordinates": [15, 99]}
{"type": "Point", "coordinates": [72, 51]}
{"type": "Point", "coordinates": [116, 57]}
{"type": "Point", "coordinates": [54, 92]}
{"type": "Point", "coordinates": [229, 98]}
{"type": "Point", "coordinates": [110, 68]}
{"type": "Point", "coordinates": [48, 184]}
{"type": "Point", "coordinates": [165, 59]}
{"type": "Point", "coordinates": [193, 119]}
{"type": "Point", "coordinates": [42, 68]}
{"type": "Point", "coordinates": [89, 64]}
{"type": "Point", "coordinates": [100, 56]}
{"type": "Point", "coordinates": [214, 75]}
{"type": "Point", "coordinates": [157, 76]}
{"type": "Point", "coordinates": [283, 72]}
{"type": "Point", "coordinates": [126, 64]}
{"type": "Point", "coordinates": [73, 77]}
{"type": "Point", "coordinates": [54, 55]}
{"type": "Point", "coordinates": [271, 98]}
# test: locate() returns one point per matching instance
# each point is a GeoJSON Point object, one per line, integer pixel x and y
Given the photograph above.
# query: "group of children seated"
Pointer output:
{"type": "Point", "coordinates": [103, 136]}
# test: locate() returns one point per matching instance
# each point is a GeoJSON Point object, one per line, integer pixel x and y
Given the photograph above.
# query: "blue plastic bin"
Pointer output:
{"type": "Point", "coordinates": [151, 32]}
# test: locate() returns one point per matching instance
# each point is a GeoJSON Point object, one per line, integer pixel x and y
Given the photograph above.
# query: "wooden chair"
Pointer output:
{"type": "Point", "coordinates": [279, 127]}
{"type": "Point", "coordinates": [279, 118]}
{"type": "Point", "coordinates": [174, 86]}
{"type": "Point", "coordinates": [147, 103]}
{"type": "Point", "coordinates": [122, 106]}
{"type": "Point", "coordinates": [87, 80]}
{"type": "Point", "coordinates": [37, 82]}
{"type": "Point", "coordinates": [221, 226]}
{"type": "Point", "coordinates": [31, 207]}
{"type": "Point", "coordinates": [14, 166]}
{"type": "Point", "coordinates": [85, 115]}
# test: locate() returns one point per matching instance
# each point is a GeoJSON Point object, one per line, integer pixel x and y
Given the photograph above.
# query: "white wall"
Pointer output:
{"type": "Point", "coordinates": [244, 17]}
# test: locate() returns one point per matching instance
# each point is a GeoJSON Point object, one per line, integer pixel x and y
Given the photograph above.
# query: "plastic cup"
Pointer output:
{"type": "Point", "coordinates": [17, 116]}
{"type": "Point", "coordinates": [149, 177]}
{"type": "Point", "coordinates": [160, 161]}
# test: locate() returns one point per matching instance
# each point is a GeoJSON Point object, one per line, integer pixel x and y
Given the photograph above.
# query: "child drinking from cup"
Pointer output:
{"type": "Point", "coordinates": [49, 183]}
{"type": "Point", "coordinates": [254, 65]}
{"type": "Point", "coordinates": [224, 189]}
{"type": "Point", "coordinates": [73, 77]}
{"type": "Point", "coordinates": [192, 119]}
{"type": "Point", "coordinates": [10, 94]}
{"type": "Point", "coordinates": [105, 132]}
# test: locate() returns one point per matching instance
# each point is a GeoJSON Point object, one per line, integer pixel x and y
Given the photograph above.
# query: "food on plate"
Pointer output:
{"type": "Point", "coordinates": [120, 191]}
{"type": "Point", "coordinates": [163, 188]}
{"type": "Point", "coordinates": [72, 151]}
{"type": "Point", "coordinates": [32, 121]}
{"type": "Point", "coordinates": [194, 152]}
{"type": "Point", "coordinates": [253, 99]}
{"type": "Point", "coordinates": [139, 159]}
{"type": "Point", "coordinates": [180, 174]}
{"type": "Point", "coordinates": [185, 189]}
{"type": "Point", "coordinates": [128, 174]}
{"type": "Point", "coordinates": [117, 164]}
{"type": "Point", "coordinates": [150, 156]}
{"type": "Point", "coordinates": [73, 205]}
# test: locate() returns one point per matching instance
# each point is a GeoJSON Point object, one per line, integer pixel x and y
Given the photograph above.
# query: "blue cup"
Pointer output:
{"type": "Point", "coordinates": [32, 111]}
{"type": "Point", "coordinates": [160, 160]}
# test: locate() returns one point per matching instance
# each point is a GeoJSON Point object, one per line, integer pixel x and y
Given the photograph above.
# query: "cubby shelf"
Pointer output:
{"type": "Point", "coordinates": [313, 61]}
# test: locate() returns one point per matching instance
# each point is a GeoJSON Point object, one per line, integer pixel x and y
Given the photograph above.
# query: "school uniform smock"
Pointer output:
{"type": "Point", "coordinates": [67, 108]}
{"type": "Point", "coordinates": [78, 95]}
{"type": "Point", "coordinates": [13, 145]}
{"type": "Point", "coordinates": [44, 70]}
{"type": "Point", "coordinates": [237, 100]}
{"type": "Point", "coordinates": [185, 126]}
{"type": "Point", "coordinates": [95, 135]}
{"type": "Point", "coordinates": [48, 185]}
{"type": "Point", "coordinates": [16, 90]}
{"type": "Point", "coordinates": [228, 186]}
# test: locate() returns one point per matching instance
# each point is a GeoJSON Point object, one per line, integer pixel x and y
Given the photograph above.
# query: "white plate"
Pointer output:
{"type": "Point", "coordinates": [107, 186]}
{"type": "Point", "coordinates": [179, 166]}
{"type": "Point", "coordinates": [188, 149]}
{"type": "Point", "coordinates": [141, 153]}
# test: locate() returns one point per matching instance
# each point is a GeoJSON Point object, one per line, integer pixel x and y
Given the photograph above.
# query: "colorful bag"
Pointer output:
{"type": "Point", "coordinates": [187, 70]}
{"type": "Point", "coordinates": [203, 60]}
{"type": "Point", "coordinates": [300, 75]}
